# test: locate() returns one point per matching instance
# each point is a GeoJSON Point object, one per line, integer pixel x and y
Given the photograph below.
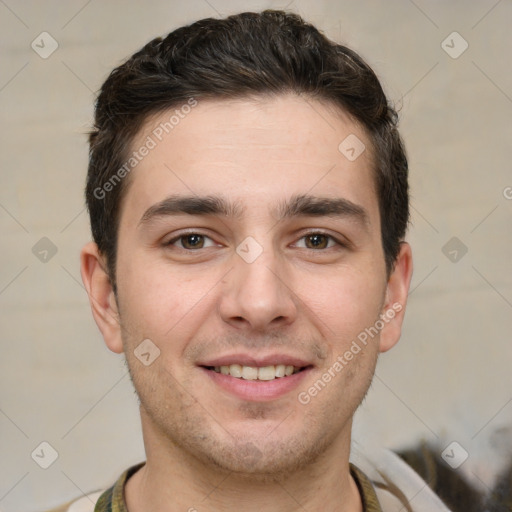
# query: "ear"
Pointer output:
{"type": "Point", "coordinates": [396, 298]}
{"type": "Point", "coordinates": [101, 296]}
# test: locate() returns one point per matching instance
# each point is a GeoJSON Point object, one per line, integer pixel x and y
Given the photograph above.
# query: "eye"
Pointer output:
{"type": "Point", "coordinates": [191, 241]}
{"type": "Point", "coordinates": [319, 240]}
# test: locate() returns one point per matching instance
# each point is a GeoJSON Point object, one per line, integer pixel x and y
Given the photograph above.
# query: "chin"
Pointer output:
{"type": "Point", "coordinates": [264, 460]}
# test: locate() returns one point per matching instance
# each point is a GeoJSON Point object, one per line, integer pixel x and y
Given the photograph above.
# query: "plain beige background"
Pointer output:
{"type": "Point", "coordinates": [449, 378]}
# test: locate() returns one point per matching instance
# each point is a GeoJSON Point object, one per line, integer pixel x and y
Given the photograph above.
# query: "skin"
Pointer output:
{"type": "Point", "coordinates": [206, 448]}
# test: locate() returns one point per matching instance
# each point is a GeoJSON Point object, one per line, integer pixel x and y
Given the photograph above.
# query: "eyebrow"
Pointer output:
{"type": "Point", "coordinates": [302, 205]}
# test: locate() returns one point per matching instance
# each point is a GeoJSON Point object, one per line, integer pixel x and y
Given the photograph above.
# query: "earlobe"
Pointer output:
{"type": "Point", "coordinates": [396, 298]}
{"type": "Point", "coordinates": [101, 296]}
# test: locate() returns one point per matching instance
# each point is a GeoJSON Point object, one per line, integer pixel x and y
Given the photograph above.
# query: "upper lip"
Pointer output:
{"type": "Point", "coordinates": [259, 361]}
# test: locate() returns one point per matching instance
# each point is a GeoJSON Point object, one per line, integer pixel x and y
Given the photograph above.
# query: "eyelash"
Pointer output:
{"type": "Point", "coordinates": [311, 233]}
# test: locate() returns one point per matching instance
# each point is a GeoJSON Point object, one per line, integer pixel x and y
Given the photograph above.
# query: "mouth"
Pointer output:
{"type": "Point", "coordinates": [254, 380]}
{"type": "Point", "coordinates": [263, 373]}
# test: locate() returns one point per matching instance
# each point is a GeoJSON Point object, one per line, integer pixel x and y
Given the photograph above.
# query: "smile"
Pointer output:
{"type": "Point", "coordinates": [257, 383]}
{"type": "Point", "coordinates": [257, 373]}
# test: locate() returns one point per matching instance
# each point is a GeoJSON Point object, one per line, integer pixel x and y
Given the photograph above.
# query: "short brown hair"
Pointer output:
{"type": "Point", "coordinates": [247, 54]}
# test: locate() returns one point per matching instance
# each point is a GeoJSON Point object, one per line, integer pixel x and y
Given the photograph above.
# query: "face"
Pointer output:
{"type": "Point", "coordinates": [249, 248]}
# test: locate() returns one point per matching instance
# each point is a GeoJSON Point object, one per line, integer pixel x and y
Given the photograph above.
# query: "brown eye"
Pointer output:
{"type": "Point", "coordinates": [317, 241]}
{"type": "Point", "coordinates": [320, 241]}
{"type": "Point", "coordinates": [191, 241]}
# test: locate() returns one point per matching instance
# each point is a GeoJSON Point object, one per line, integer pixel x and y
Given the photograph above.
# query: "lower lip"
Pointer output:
{"type": "Point", "coordinates": [258, 390]}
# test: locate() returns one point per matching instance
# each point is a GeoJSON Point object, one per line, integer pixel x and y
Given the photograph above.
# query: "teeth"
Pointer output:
{"type": "Point", "coordinates": [235, 370]}
{"type": "Point", "coordinates": [249, 373]}
{"type": "Point", "coordinates": [267, 373]}
{"type": "Point", "coordinates": [257, 373]}
{"type": "Point", "coordinates": [280, 370]}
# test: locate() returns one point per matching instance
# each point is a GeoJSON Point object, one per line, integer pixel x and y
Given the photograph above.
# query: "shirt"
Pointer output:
{"type": "Point", "coordinates": [112, 500]}
{"type": "Point", "coordinates": [385, 483]}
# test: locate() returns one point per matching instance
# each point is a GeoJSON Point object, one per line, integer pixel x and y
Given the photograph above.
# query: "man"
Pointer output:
{"type": "Point", "coordinates": [248, 196]}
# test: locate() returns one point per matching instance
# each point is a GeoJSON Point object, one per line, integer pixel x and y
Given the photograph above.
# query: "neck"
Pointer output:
{"type": "Point", "coordinates": [173, 479]}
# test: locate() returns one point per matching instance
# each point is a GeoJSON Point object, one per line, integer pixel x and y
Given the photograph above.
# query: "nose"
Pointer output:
{"type": "Point", "coordinates": [258, 295]}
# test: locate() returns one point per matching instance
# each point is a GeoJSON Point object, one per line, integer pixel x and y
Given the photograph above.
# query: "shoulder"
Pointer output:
{"type": "Point", "coordinates": [448, 483]}
{"type": "Point", "coordinates": [396, 484]}
{"type": "Point", "coordinates": [374, 497]}
{"type": "Point", "coordinates": [84, 504]}
{"type": "Point", "coordinates": [102, 501]}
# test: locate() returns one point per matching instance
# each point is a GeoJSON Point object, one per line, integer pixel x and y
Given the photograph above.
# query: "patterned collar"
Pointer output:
{"type": "Point", "coordinates": [112, 500]}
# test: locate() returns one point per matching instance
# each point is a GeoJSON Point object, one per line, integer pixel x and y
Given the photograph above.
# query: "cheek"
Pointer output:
{"type": "Point", "coordinates": [346, 303]}
{"type": "Point", "coordinates": [157, 300]}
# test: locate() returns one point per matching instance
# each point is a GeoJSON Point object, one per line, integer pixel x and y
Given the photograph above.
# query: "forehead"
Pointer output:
{"type": "Point", "coordinates": [254, 150]}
